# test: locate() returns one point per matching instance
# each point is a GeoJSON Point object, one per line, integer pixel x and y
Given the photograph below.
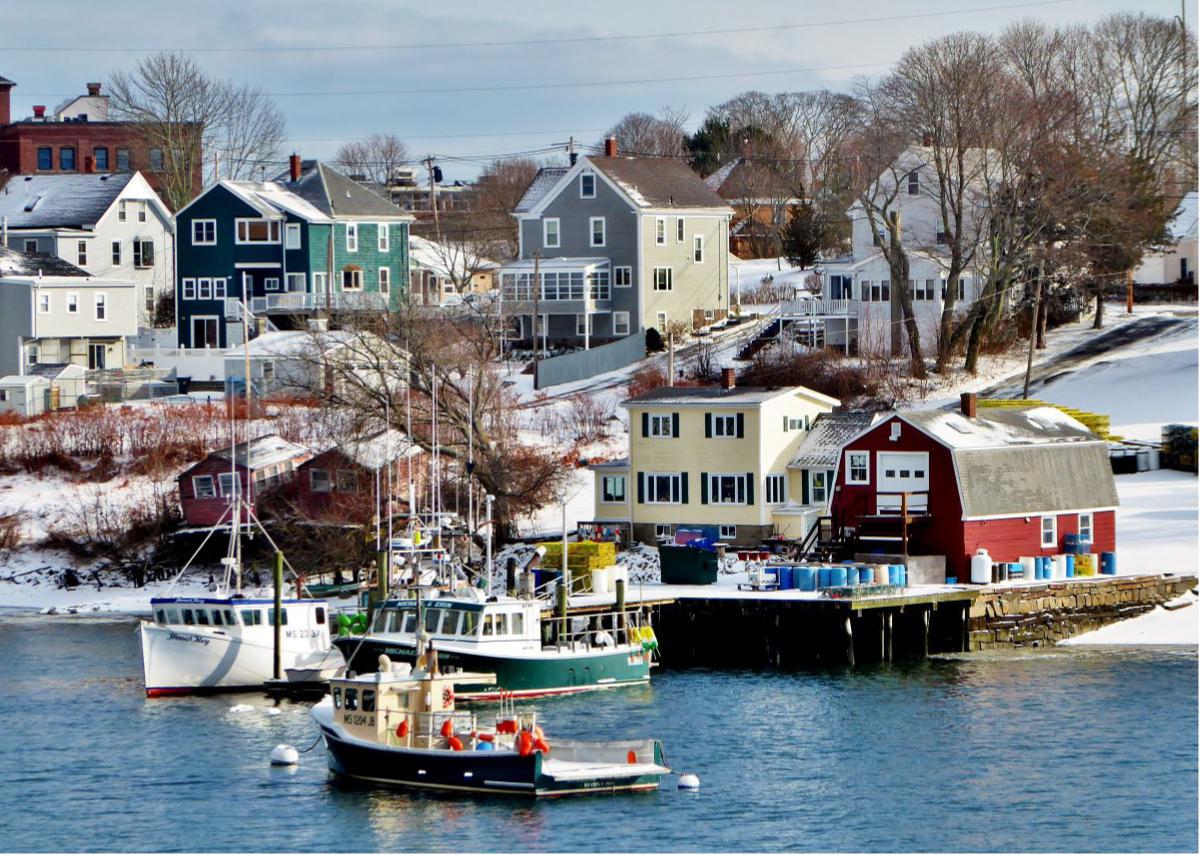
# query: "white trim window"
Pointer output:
{"type": "Point", "coordinates": [44, 303]}
{"type": "Point", "coordinates": [204, 288]}
{"type": "Point", "coordinates": [551, 237]}
{"type": "Point", "coordinates": [818, 486]}
{"type": "Point", "coordinates": [858, 467]}
{"type": "Point", "coordinates": [204, 232]}
{"type": "Point", "coordinates": [351, 237]}
{"type": "Point", "coordinates": [726, 489]}
{"type": "Point", "coordinates": [101, 306]}
{"type": "Point", "coordinates": [587, 185]}
{"type": "Point", "coordinates": [1085, 528]}
{"type": "Point", "coordinates": [295, 282]}
{"type": "Point", "coordinates": [319, 281]}
{"type": "Point", "coordinates": [291, 235]}
{"type": "Point", "coordinates": [727, 532]}
{"type": "Point", "coordinates": [679, 230]}
{"type": "Point", "coordinates": [661, 320]}
{"type": "Point", "coordinates": [623, 276]}
{"type": "Point", "coordinates": [319, 481]}
{"type": "Point", "coordinates": [591, 324]}
{"type": "Point", "coordinates": [385, 280]}
{"type": "Point", "coordinates": [664, 279]}
{"type": "Point", "coordinates": [597, 228]}
{"type": "Point", "coordinates": [612, 488]}
{"type": "Point", "coordinates": [255, 230]}
{"type": "Point", "coordinates": [203, 487]}
{"type": "Point", "coordinates": [189, 289]}
{"type": "Point", "coordinates": [143, 253]}
{"type": "Point", "coordinates": [724, 426]}
{"type": "Point", "coordinates": [72, 303]}
{"type": "Point", "coordinates": [620, 323]}
{"type": "Point", "coordinates": [228, 484]}
{"type": "Point", "coordinates": [219, 287]}
{"type": "Point", "coordinates": [663, 488]}
{"type": "Point", "coordinates": [352, 279]}
{"type": "Point", "coordinates": [1049, 532]}
{"type": "Point", "coordinates": [383, 237]}
{"type": "Point", "coordinates": [81, 251]}
{"type": "Point", "coordinates": [776, 489]}
{"type": "Point", "coordinates": [660, 231]}
{"type": "Point", "coordinates": [271, 283]}
{"type": "Point", "coordinates": [698, 248]}
{"type": "Point", "coordinates": [116, 253]}
{"type": "Point", "coordinates": [660, 426]}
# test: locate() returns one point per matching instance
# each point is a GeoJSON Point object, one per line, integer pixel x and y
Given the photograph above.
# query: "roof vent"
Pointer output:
{"type": "Point", "coordinates": [33, 203]}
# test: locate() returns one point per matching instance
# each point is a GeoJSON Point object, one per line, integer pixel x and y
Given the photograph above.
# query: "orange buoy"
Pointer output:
{"type": "Point", "coordinates": [402, 729]}
{"type": "Point", "coordinates": [541, 745]}
{"type": "Point", "coordinates": [525, 743]}
{"type": "Point", "coordinates": [631, 757]}
{"type": "Point", "coordinates": [487, 737]}
{"type": "Point", "coordinates": [447, 728]}
{"type": "Point", "coordinates": [455, 743]}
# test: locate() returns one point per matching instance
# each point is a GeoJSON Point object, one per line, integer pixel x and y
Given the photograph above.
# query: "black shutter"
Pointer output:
{"type": "Point", "coordinates": [645, 427]}
{"type": "Point", "coordinates": [675, 425]}
{"type": "Point", "coordinates": [804, 487]}
{"type": "Point", "coordinates": [683, 493]}
{"type": "Point", "coordinates": [741, 425]}
{"type": "Point", "coordinates": [641, 488]}
{"type": "Point", "coordinates": [704, 488]}
{"type": "Point", "coordinates": [708, 425]}
{"type": "Point", "coordinates": [749, 488]}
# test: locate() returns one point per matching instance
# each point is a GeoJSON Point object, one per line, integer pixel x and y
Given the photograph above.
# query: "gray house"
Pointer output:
{"type": "Point", "coordinates": [619, 244]}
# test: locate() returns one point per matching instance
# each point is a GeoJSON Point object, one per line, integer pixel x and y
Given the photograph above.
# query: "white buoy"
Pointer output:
{"type": "Point", "coordinates": [241, 708]}
{"type": "Point", "coordinates": [689, 782]}
{"type": "Point", "coordinates": [284, 755]}
{"type": "Point", "coordinates": [274, 711]}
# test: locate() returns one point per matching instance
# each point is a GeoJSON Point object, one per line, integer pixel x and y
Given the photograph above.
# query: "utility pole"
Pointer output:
{"type": "Point", "coordinates": [1033, 328]}
{"type": "Point", "coordinates": [537, 293]}
{"type": "Point", "coordinates": [437, 226]}
{"type": "Point", "coordinates": [1129, 292]}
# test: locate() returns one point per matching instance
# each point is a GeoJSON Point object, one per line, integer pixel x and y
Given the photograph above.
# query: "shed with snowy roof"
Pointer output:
{"type": "Point", "coordinates": [947, 482]}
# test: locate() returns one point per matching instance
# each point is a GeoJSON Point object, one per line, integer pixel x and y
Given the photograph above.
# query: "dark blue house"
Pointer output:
{"type": "Point", "coordinates": [310, 241]}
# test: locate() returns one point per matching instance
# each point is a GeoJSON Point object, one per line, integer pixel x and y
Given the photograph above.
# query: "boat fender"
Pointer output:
{"type": "Point", "coordinates": [525, 743]}
{"type": "Point", "coordinates": [541, 745]}
{"type": "Point", "coordinates": [631, 758]}
{"type": "Point", "coordinates": [456, 744]}
{"type": "Point", "coordinates": [402, 729]}
{"type": "Point", "coordinates": [447, 728]}
{"type": "Point", "coordinates": [486, 737]}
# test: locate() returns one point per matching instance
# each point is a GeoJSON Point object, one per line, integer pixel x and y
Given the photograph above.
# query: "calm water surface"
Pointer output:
{"type": "Point", "coordinates": [1067, 750]}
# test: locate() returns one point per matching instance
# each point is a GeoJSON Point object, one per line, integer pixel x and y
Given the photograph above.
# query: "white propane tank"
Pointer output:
{"type": "Point", "coordinates": [284, 755]}
{"type": "Point", "coordinates": [981, 567]}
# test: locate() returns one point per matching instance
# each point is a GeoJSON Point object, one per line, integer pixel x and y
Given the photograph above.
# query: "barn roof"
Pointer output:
{"type": "Point", "coordinates": [375, 452]}
{"type": "Point", "coordinates": [263, 451]}
{"type": "Point", "coordinates": [831, 431]}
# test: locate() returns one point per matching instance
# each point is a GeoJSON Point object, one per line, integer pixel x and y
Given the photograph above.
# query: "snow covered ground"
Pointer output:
{"type": "Point", "coordinates": [1176, 624]}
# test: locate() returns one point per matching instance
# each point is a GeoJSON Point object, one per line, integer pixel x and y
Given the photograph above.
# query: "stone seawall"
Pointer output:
{"type": "Point", "coordinates": [1042, 615]}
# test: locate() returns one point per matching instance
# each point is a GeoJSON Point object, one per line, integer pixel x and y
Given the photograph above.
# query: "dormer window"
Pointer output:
{"type": "Point", "coordinates": [587, 185]}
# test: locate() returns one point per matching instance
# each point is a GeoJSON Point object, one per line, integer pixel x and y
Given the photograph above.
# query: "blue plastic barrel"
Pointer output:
{"type": "Point", "coordinates": [1070, 543]}
{"type": "Point", "coordinates": [1039, 567]}
{"type": "Point", "coordinates": [1108, 563]}
{"type": "Point", "coordinates": [893, 576]}
{"type": "Point", "coordinates": [837, 577]}
{"type": "Point", "coordinates": [805, 578]}
{"type": "Point", "coordinates": [1070, 565]}
{"type": "Point", "coordinates": [823, 577]}
{"type": "Point", "coordinates": [902, 572]}
{"type": "Point", "coordinates": [784, 574]}
{"type": "Point", "coordinates": [865, 575]}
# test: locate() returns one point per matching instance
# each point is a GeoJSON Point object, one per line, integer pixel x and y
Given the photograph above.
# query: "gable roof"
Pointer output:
{"type": "Point", "coordinates": [822, 448]}
{"type": "Point", "coordinates": [60, 201]}
{"type": "Point", "coordinates": [658, 182]}
{"type": "Point", "coordinates": [262, 451]}
{"type": "Point", "coordinates": [744, 178]}
{"type": "Point", "coordinates": [1183, 225]}
{"type": "Point", "coordinates": [292, 343]}
{"type": "Point", "coordinates": [738, 395]}
{"type": "Point", "coordinates": [447, 261]}
{"type": "Point", "coordinates": [335, 195]}
{"type": "Point", "coordinates": [542, 183]}
{"type": "Point", "coordinates": [375, 452]}
{"type": "Point", "coordinates": [34, 264]}
{"type": "Point", "coordinates": [271, 200]}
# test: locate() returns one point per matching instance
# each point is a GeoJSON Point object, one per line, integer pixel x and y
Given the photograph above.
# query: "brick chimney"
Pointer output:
{"type": "Point", "coordinates": [610, 147]}
{"type": "Point", "coordinates": [93, 89]}
{"type": "Point", "coordinates": [294, 164]}
{"type": "Point", "coordinates": [6, 86]}
{"type": "Point", "coordinates": [728, 378]}
{"type": "Point", "coordinates": [969, 404]}
{"type": "Point", "coordinates": [39, 111]}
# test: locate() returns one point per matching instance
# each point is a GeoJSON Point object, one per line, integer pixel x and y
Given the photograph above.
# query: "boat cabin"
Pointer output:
{"type": "Point", "coordinates": [507, 620]}
{"type": "Point", "coordinates": [300, 618]}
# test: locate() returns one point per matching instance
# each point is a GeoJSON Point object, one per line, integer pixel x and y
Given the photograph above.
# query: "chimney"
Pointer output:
{"type": "Point", "coordinates": [93, 89]}
{"type": "Point", "coordinates": [728, 378]}
{"type": "Point", "coordinates": [5, 95]}
{"type": "Point", "coordinates": [969, 403]}
{"type": "Point", "coordinates": [610, 147]}
{"type": "Point", "coordinates": [39, 111]}
{"type": "Point", "coordinates": [294, 162]}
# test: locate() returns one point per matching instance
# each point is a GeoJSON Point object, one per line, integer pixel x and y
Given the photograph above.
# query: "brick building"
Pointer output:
{"type": "Point", "coordinates": [77, 137]}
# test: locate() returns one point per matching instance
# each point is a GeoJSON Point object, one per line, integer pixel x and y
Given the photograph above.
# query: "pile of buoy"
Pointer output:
{"type": "Point", "coordinates": [355, 624]}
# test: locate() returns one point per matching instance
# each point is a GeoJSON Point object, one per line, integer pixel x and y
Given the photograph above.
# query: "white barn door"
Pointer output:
{"type": "Point", "coordinates": [902, 472]}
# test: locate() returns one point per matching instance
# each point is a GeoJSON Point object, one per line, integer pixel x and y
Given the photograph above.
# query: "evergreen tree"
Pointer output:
{"type": "Point", "coordinates": [803, 236]}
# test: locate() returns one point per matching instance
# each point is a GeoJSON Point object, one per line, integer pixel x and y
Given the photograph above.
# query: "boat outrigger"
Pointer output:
{"type": "Point", "coordinates": [399, 726]}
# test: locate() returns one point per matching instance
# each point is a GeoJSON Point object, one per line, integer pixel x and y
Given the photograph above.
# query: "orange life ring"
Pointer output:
{"type": "Point", "coordinates": [402, 729]}
{"type": "Point", "coordinates": [447, 728]}
{"type": "Point", "coordinates": [455, 743]}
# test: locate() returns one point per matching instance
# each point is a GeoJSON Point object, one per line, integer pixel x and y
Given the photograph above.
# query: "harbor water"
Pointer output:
{"type": "Point", "coordinates": [1062, 750]}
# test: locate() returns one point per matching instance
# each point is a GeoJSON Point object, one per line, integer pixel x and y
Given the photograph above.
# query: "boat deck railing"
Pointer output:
{"type": "Point", "coordinates": [425, 728]}
{"type": "Point", "coordinates": [605, 629]}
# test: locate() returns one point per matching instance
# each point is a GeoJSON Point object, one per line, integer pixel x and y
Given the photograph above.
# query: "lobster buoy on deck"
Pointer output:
{"type": "Point", "coordinates": [402, 729]}
{"type": "Point", "coordinates": [689, 782]}
{"type": "Point", "coordinates": [508, 725]}
{"type": "Point", "coordinates": [631, 758]}
{"type": "Point", "coordinates": [486, 737]}
{"type": "Point", "coordinates": [525, 743]}
{"type": "Point", "coordinates": [455, 743]}
{"type": "Point", "coordinates": [541, 745]}
{"type": "Point", "coordinates": [447, 728]}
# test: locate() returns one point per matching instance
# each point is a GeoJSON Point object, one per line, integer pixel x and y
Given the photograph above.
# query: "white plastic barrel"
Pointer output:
{"type": "Point", "coordinates": [601, 577]}
{"type": "Point", "coordinates": [1059, 570]}
{"type": "Point", "coordinates": [981, 567]}
{"type": "Point", "coordinates": [881, 574]}
{"type": "Point", "coordinates": [619, 571]}
{"type": "Point", "coordinates": [1030, 565]}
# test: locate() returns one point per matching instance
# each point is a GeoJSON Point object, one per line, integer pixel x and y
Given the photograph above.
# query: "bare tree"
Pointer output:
{"type": "Point", "coordinates": [375, 157]}
{"type": "Point", "coordinates": [647, 135]}
{"type": "Point", "coordinates": [486, 215]}
{"type": "Point", "coordinates": [189, 116]}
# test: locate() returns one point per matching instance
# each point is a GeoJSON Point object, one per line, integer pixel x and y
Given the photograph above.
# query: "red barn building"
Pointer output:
{"type": "Point", "coordinates": [1012, 481]}
{"type": "Point", "coordinates": [207, 489]}
{"type": "Point", "coordinates": [340, 484]}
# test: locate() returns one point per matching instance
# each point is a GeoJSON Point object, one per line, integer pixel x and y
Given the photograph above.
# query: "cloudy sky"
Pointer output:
{"type": "Point", "coordinates": [378, 60]}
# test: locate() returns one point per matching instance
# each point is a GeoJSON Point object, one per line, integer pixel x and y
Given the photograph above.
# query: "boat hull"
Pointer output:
{"type": "Point", "coordinates": [517, 676]}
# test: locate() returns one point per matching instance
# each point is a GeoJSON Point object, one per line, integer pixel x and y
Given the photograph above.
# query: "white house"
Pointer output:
{"type": "Point", "coordinates": [54, 312]}
{"type": "Point", "coordinates": [1176, 262]}
{"type": "Point", "coordinates": [113, 226]}
{"type": "Point", "coordinates": [442, 273]}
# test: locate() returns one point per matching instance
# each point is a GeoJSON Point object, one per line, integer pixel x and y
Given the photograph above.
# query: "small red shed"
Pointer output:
{"type": "Point", "coordinates": [1014, 481]}
{"type": "Point", "coordinates": [207, 488]}
{"type": "Point", "coordinates": [341, 483]}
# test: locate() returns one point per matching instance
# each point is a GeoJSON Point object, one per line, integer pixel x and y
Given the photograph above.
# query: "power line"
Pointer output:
{"type": "Point", "coordinates": [357, 48]}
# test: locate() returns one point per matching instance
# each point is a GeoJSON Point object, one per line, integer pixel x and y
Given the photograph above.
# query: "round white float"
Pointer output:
{"type": "Point", "coordinates": [689, 782]}
{"type": "Point", "coordinates": [274, 711]}
{"type": "Point", "coordinates": [284, 755]}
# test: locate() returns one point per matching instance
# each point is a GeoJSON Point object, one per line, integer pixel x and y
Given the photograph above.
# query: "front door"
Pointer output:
{"type": "Point", "coordinates": [204, 331]}
{"type": "Point", "coordinates": [902, 472]}
{"type": "Point", "coordinates": [96, 356]}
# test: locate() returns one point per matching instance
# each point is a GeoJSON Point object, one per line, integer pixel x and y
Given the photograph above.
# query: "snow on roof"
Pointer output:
{"type": "Point", "coordinates": [286, 343]}
{"type": "Point", "coordinates": [59, 201]}
{"type": "Point", "coordinates": [619, 463]}
{"type": "Point", "coordinates": [54, 370]}
{"type": "Point", "coordinates": [34, 264]}
{"type": "Point", "coordinates": [1183, 225]}
{"type": "Point", "coordinates": [23, 380]}
{"type": "Point", "coordinates": [542, 183]}
{"type": "Point", "coordinates": [741, 395]}
{"type": "Point", "coordinates": [335, 195]}
{"type": "Point", "coordinates": [659, 182]}
{"type": "Point", "coordinates": [831, 431]}
{"type": "Point", "coordinates": [1000, 427]}
{"type": "Point", "coordinates": [446, 260]}
{"type": "Point", "coordinates": [269, 198]}
{"type": "Point", "coordinates": [377, 451]}
{"type": "Point", "coordinates": [263, 451]}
